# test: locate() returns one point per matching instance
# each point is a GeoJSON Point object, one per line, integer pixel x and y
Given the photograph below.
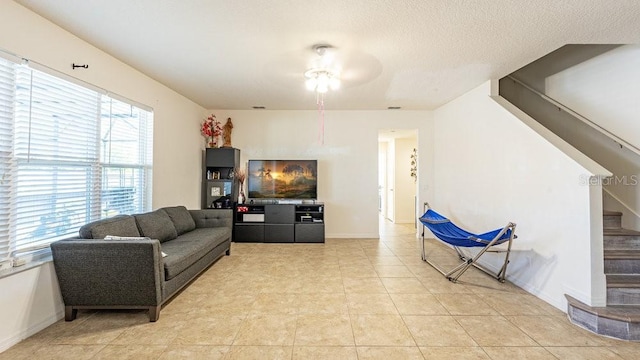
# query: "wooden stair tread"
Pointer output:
{"type": "Point", "coordinates": [611, 213]}
{"type": "Point", "coordinates": [617, 254]}
{"type": "Point", "coordinates": [629, 314]}
{"type": "Point", "coordinates": [623, 280]}
{"type": "Point", "coordinates": [623, 285]}
{"type": "Point", "coordinates": [620, 232]}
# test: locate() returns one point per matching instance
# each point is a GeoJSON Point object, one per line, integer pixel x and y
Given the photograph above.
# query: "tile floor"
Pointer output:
{"type": "Point", "coordinates": [345, 299]}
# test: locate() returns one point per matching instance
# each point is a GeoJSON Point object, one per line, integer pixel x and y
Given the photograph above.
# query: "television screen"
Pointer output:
{"type": "Point", "coordinates": [283, 179]}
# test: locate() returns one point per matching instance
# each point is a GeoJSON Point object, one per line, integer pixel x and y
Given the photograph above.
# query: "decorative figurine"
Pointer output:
{"type": "Point", "coordinates": [226, 135]}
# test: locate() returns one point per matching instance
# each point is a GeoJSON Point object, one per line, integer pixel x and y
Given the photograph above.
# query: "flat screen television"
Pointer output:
{"type": "Point", "coordinates": [283, 179]}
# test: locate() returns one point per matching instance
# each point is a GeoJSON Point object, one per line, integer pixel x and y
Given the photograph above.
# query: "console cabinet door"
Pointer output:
{"type": "Point", "coordinates": [310, 233]}
{"type": "Point", "coordinates": [248, 233]}
{"type": "Point", "coordinates": [279, 214]}
{"type": "Point", "coordinates": [279, 233]}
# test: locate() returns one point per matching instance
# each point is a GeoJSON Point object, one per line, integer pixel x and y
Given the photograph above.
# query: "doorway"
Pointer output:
{"type": "Point", "coordinates": [397, 188]}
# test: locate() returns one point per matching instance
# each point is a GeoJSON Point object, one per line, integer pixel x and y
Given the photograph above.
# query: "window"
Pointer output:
{"type": "Point", "coordinates": [69, 154]}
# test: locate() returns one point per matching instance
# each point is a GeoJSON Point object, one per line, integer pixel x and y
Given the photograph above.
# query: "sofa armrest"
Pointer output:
{"type": "Point", "coordinates": [109, 273]}
{"type": "Point", "coordinates": [208, 218]}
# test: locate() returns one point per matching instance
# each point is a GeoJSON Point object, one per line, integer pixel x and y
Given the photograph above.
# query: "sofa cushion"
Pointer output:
{"type": "Point", "coordinates": [207, 218]}
{"type": "Point", "coordinates": [156, 225]}
{"type": "Point", "coordinates": [120, 225]}
{"type": "Point", "coordinates": [190, 247]}
{"type": "Point", "coordinates": [181, 218]}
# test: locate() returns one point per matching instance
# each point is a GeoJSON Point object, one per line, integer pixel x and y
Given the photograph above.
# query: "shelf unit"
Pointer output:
{"type": "Point", "coordinates": [219, 188]}
{"type": "Point", "coordinates": [309, 223]}
{"type": "Point", "coordinates": [282, 223]}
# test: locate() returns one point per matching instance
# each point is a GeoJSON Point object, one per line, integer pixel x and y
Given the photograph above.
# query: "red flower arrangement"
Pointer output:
{"type": "Point", "coordinates": [211, 129]}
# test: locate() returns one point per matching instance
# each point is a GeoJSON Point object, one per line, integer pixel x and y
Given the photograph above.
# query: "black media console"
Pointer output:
{"type": "Point", "coordinates": [281, 223]}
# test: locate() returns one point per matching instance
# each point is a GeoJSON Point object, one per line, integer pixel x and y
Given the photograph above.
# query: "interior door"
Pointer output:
{"type": "Point", "coordinates": [390, 182]}
{"type": "Point", "coordinates": [382, 178]}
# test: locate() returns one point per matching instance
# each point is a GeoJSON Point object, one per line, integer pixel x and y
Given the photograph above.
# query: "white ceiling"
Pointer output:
{"type": "Point", "coordinates": [416, 54]}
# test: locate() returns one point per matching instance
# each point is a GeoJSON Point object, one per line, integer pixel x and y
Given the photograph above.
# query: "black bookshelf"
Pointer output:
{"type": "Point", "coordinates": [219, 187]}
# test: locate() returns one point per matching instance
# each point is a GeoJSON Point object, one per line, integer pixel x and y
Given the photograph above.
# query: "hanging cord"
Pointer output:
{"type": "Point", "coordinates": [320, 101]}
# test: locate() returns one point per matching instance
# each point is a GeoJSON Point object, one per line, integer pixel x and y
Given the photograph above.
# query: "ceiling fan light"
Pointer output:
{"type": "Point", "coordinates": [322, 88]}
{"type": "Point", "coordinates": [323, 82]}
{"type": "Point", "coordinates": [311, 84]}
{"type": "Point", "coordinates": [323, 77]}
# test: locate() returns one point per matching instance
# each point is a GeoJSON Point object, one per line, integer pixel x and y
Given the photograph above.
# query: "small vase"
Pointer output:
{"type": "Point", "coordinates": [241, 198]}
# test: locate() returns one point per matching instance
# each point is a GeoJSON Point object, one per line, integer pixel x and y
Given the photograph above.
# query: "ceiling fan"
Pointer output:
{"type": "Point", "coordinates": [324, 75]}
{"type": "Point", "coordinates": [323, 67]}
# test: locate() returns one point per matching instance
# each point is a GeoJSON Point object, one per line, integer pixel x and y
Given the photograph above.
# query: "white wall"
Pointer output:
{"type": "Point", "coordinates": [622, 162]}
{"type": "Point", "coordinates": [347, 161]}
{"type": "Point", "coordinates": [29, 302]}
{"type": "Point", "coordinates": [605, 90]}
{"type": "Point", "coordinates": [30, 299]}
{"type": "Point", "coordinates": [491, 168]}
{"type": "Point", "coordinates": [405, 188]}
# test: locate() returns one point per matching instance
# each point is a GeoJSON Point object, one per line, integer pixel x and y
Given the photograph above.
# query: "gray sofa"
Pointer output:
{"type": "Point", "coordinates": [95, 273]}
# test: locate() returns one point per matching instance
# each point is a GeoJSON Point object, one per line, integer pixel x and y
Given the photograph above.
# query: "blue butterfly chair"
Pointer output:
{"type": "Point", "coordinates": [451, 234]}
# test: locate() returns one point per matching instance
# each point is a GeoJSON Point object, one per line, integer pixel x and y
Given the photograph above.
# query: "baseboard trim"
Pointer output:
{"type": "Point", "coordinates": [560, 304]}
{"type": "Point", "coordinates": [32, 330]}
{"type": "Point", "coordinates": [353, 236]}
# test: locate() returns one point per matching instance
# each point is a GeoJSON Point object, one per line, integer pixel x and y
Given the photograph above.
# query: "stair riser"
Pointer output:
{"type": "Point", "coordinates": [623, 280]}
{"type": "Point", "coordinates": [629, 267]}
{"type": "Point", "coordinates": [612, 221]}
{"type": "Point", "coordinates": [621, 242]}
{"type": "Point", "coordinates": [623, 296]}
{"type": "Point", "coordinates": [621, 322]}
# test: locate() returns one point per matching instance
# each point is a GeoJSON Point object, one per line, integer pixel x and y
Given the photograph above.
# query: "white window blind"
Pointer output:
{"type": "Point", "coordinates": [126, 156]}
{"type": "Point", "coordinates": [7, 92]}
{"type": "Point", "coordinates": [55, 156]}
{"type": "Point", "coordinates": [69, 154]}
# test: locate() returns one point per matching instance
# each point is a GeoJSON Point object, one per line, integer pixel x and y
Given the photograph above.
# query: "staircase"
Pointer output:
{"type": "Point", "coordinates": [621, 317]}
{"type": "Point", "coordinates": [529, 90]}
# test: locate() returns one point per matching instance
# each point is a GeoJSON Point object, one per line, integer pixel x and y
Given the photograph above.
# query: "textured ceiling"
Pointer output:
{"type": "Point", "coordinates": [416, 54]}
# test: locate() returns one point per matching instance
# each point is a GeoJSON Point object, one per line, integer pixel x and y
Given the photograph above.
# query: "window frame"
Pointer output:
{"type": "Point", "coordinates": [17, 251]}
